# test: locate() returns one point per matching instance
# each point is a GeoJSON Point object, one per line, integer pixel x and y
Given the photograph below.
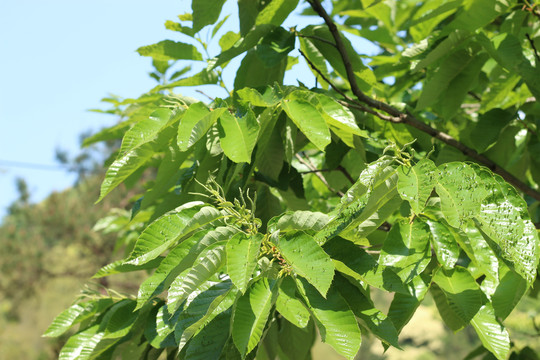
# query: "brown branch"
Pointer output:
{"type": "Point", "coordinates": [396, 116]}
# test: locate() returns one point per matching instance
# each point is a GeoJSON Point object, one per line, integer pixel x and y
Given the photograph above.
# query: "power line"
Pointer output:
{"type": "Point", "coordinates": [27, 165]}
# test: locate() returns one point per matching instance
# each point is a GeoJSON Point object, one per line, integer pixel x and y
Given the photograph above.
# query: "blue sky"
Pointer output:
{"type": "Point", "coordinates": [59, 58]}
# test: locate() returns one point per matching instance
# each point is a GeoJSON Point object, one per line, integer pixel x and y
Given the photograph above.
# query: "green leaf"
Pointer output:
{"type": "Point", "coordinates": [376, 187]}
{"type": "Point", "coordinates": [145, 130]}
{"type": "Point", "coordinates": [119, 320]}
{"type": "Point", "coordinates": [251, 314]}
{"type": "Point", "coordinates": [289, 306]}
{"type": "Point", "coordinates": [205, 307]}
{"type": "Point", "coordinates": [380, 325]}
{"type": "Point", "coordinates": [317, 58]}
{"type": "Point", "coordinates": [491, 332]}
{"type": "Point", "coordinates": [195, 123]}
{"type": "Point", "coordinates": [254, 98]}
{"type": "Point", "coordinates": [242, 255]}
{"type": "Point", "coordinates": [404, 306]}
{"type": "Point", "coordinates": [120, 266]}
{"type": "Point", "coordinates": [445, 240]}
{"type": "Point", "coordinates": [166, 230]}
{"type": "Point", "coordinates": [307, 259]}
{"type": "Point", "coordinates": [276, 12]}
{"type": "Point", "coordinates": [508, 293]}
{"type": "Point", "coordinates": [205, 12]}
{"type": "Point", "coordinates": [204, 77]}
{"type": "Point", "coordinates": [296, 342]}
{"type": "Point", "coordinates": [76, 314]}
{"type": "Point", "coordinates": [238, 135]}
{"type": "Point", "coordinates": [406, 249]}
{"type": "Point", "coordinates": [81, 345]}
{"type": "Point", "coordinates": [478, 13]}
{"type": "Point", "coordinates": [208, 263]}
{"type": "Point", "coordinates": [250, 75]}
{"type": "Point", "coordinates": [159, 329]}
{"type": "Point", "coordinates": [210, 342]}
{"type": "Point", "coordinates": [504, 218]}
{"type": "Point", "coordinates": [462, 292]}
{"type": "Point", "coordinates": [180, 258]}
{"type": "Point", "coordinates": [308, 119]}
{"type": "Point", "coordinates": [336, 322]}
{"type": "Point", "coordinates": [460, 191]}
{"type": "Point", "coordinates": [298, 220]}
{"type": "Point", "coordinates": [352, 260]}
{"type": "Point", "coordinates": [416, 183]}
{"type": "Point", "coordinates": [339, 117]}
{"type": "Point", "coordinates": [170, 50]}
{"type": "Point", "coordinates": [124, 166]}
{"type": "Point", "coordinates": [489, 126]}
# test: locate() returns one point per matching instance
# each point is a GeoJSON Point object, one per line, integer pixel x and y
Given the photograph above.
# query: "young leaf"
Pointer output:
{"type": "Point", "coordinates": [416, 183]}
{"type": "Point", "coordinates": [238, 135]}
{"type": "Point", "coordinates": [307, 259]}
{"type": "Point", "coordinates": [406, 249]}
{"type": "Point", "coordinates": [251, 314]}
{"type": "Point", "coordinates": [242, 255]}
{"type": "Point", "coordinates": [336, 322]}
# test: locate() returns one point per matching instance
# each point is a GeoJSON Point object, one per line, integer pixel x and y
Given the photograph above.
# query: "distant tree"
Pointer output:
{"type": "Point", "coordinates": [277, 210]}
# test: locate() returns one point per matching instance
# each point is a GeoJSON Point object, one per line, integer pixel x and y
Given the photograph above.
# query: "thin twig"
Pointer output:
{"type": "Point", "coordinates": [205, 94]}
{"type": "Point", "coordinates": [316, 69]}
{"type": "Point", "coordinates": [317, 173]}
{"type": "Point", "coordinates": [396, 116]}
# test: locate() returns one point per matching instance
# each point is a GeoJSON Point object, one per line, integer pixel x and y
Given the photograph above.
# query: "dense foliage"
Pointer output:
{"type": "Point", "coordinates": [276, 211]}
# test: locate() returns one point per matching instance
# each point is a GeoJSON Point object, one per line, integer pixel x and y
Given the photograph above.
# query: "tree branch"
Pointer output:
{"type": "Point", "coordinates": [398, 117]}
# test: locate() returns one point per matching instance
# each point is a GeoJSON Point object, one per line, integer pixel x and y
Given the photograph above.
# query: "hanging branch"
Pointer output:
{"type": "Point", "coordinates": [396, 116]}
